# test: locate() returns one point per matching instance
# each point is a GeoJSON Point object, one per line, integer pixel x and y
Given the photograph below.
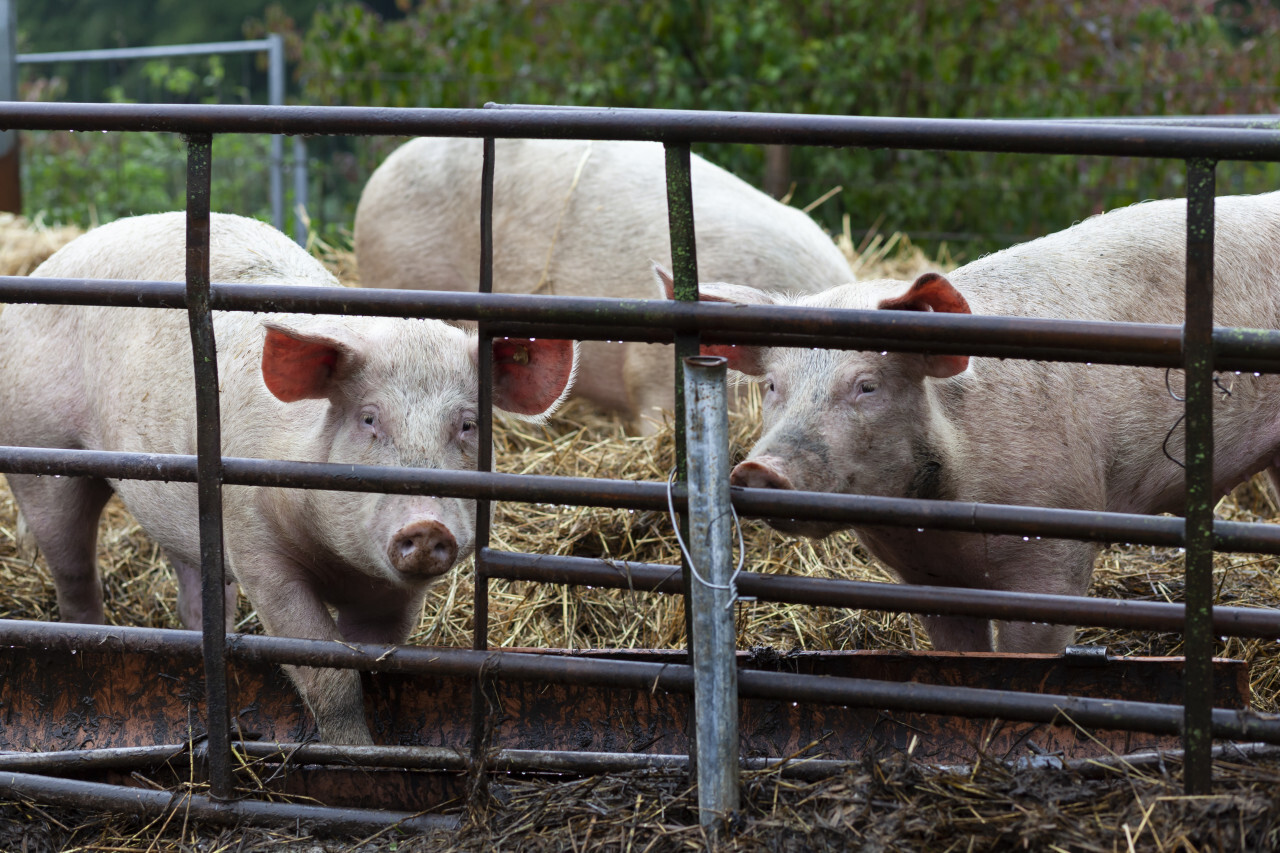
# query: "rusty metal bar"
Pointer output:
{"type": "Point", "coordinates": [146, 802]}
{"type": "Point", "coordinates": [1201, 497]}
{"type": "Point", "coordinates": [712, 590]}
{"type": "Point", "coordinates": [1084, 525]}
{"type": "Point", "coordinates": [678, 678]}
{"type": "Point", "coordinates": [684, 273]}
{"type": "Point", "coordinates": [905, 598]}
{"type": "Point", "coordinates": [582, 318]}
{"type": "Point", "coordinates": [484, 463]}
{"type": "Point", "coordinates": [1028, 136]}
{"type": "Point", "coordinates": [443, 759]}
{"type": "Point", "coordinates": [209, 465]}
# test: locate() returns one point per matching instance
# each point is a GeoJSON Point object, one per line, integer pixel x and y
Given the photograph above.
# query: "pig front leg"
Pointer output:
{"type": "Point", "coordinates": [190, 601]}
{"type": "Point", "coordinates": [61, 514]}
{"type": "Point", "coordinates": [1050, 567]}
{"type": "Point", "coordinates": [959, 633]}
{"type": "Point", "coordinates": [289, 606]}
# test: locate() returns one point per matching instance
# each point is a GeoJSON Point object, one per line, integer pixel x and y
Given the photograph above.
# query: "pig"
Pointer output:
{"type": "Point", "coordinates": [350, 390]}
{"type": "Point", "coordinates": [580, 218]}
{"type": "Point", "coordinates": [1042, 434]}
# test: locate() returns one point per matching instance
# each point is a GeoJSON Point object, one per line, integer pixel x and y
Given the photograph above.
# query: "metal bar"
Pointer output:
{"type": "Point", "coordinates": [300, 191]}
{"type": "Point", "coordinates": [684, 273]}
{"type": "Point", "coordinates": [634, 675]}
{"type": "Point", "coordinates": [710, 560]}
{"type": "Point", "coordinates": [1082, 525]}
{"type": "Point", "coordinates": [146, 52]}
{"type": "Point", "coordinates": [275, 96]}
{"type": "Point", "coordinates": [1027, 136]}
{"type": "Point", "coordinates": [1201, 497]}
{"type": "Point", "coordinates": [398, 757]}
{"type": "Point", "coordinates": [480, 711]}
{"type": "Point", "coordinates": [1139, 344]}
{"type": "Point", "coordinates": [905, 598]}
{"type": "Point", "coordinates": [209, 464]}
{"type": "Point", "coordinates": [150, 803]}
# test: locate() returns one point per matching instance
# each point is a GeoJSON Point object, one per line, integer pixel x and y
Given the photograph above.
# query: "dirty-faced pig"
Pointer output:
{"type": "Point", "coordinates": [579, 218]}
{"type": "Point", "coordinates": [352, 390]}
{"type": "Point", "coordinates": [1020, 432]}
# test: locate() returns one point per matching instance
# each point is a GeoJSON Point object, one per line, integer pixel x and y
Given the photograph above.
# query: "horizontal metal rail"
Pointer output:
{"type": "Point", "coordinates": [74, 761]}
{"type": "Point", "coordinates": [657, 320]}
{"type": "Point", "coordinates": [1085, 525]}
{"type": "Point", "coordinates": [150, 52]}
{"type": "Point", "coordinates": [1026, 136]}
{"type": "Point", "coordinates": [146, 802]}
{"type": "Point", "coordinates": [907, 697]}
{"type": "Point", "coordinates": [868, 595]}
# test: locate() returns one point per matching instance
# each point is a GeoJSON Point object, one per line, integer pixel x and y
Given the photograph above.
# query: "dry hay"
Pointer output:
{"type": "Point", "coordinates": [885, 803]}
{"type": "Point", "coordinates": [25, 244]}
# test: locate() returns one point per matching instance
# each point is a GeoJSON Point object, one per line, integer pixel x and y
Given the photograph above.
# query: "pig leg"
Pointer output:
{"type": "Point", "coordinates": [62, 513]}
{"type": "Point", "coordinates": [647, 372]}
{"type": "Point", "coordinates": [1057, 567]}
{"type": "Point", "coordinates": [959, 633]}
{"type": "Point", "coordinates": [381, 621]}
{"type": "Point", "coordinates": [289, 607]}
{"type": "Point", "coordinates": [190, 595]}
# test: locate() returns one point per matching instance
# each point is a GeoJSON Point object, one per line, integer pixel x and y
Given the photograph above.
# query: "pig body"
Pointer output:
{"type": "Point", "coordinates": [580, 218]}
{"type": "Point", "coordinates": [1021, 432]}
{"type": "Point", "coordinates": [356, 390]}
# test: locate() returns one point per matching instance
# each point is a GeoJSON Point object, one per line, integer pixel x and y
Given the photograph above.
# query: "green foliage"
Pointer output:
{"type": "Point", "coordinates": [90, 178]}
{"type": "Point", "coordinates": [968, 59]}
{"type": "Point", "coordinates": [963, 59]}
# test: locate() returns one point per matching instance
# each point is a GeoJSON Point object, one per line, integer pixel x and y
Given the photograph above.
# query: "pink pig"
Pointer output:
{"type": "Point", "coordinates": [352, 390]}
{"type": "Point", "coordinates": [1045, 434]}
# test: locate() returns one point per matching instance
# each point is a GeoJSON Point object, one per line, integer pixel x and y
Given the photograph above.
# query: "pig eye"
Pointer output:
{"type": "Point", "coordinates": [369, 419]}
{"type": "Point", "coordinates": [469, 425]}
{"type": "Point", "coordinates": [866, 387]}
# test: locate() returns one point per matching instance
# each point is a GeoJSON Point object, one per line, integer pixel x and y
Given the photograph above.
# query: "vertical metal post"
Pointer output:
{"type": "Point", "coordinates": [684, 271]}
{"type": "Point", "coordinates": [715, 673]}
{"type": "Point", "coordinates": [300, 191]}
{"type": "Point", "coordinates": [484, 462]}
{"type": "Point", "coordinates": [209, 464]}
{"type": "Point", "coordinates": [275, 96]}
{"type": "Point", "coordinates": [1197, 359]}
{"type": "Point", "coordinates": [10, 164]}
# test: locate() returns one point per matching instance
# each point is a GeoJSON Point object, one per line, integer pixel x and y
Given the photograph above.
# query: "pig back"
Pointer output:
{"type": "Point", "coordinates": [576, 218]}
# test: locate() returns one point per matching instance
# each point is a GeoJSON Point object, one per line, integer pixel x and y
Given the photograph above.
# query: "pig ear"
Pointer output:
{"type": "Point", "coordinates": [532, 376]}
{"type": "Point", "coordinates": [302, 366]}
{"type": "Point", "coordinates": [744, 359]}
{"type": "Point", "coordinates": [932, 292]}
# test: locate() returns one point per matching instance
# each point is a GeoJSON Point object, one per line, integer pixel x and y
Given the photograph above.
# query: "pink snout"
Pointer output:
{"type": "Point", "coordinates": [754, 474]}
{"type": "Point", "coordinates": [423, 549]}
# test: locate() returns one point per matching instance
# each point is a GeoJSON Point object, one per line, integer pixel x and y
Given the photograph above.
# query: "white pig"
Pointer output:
{"type": "Point", "coordinates": [1019, 432]}
{"type": "Point", "coordinates": [352, 390]}
{"type": "Point", "coordinates": [580, 218]}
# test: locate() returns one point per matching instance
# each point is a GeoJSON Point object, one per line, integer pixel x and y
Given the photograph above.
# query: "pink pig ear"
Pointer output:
{"type": "Point", "coordinates": [299, 366]}
{"type": "Point", "coordinates": [932, 292]}
{"type": "Point", "coordinates": [531, 377]}
{"type": "Point", "coordinates": [744, 359]}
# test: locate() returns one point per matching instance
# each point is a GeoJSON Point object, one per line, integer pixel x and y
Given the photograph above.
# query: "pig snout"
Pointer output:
{"type": "Point", "coordinates": [765, 473]}
{"type": "Point", "coordinates": [754, 474]}
{"type": "Point", "coordinates": [423, 549]}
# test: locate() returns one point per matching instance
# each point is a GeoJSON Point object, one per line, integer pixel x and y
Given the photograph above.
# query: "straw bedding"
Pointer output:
{"type": "Point", "coordinates": [887, 803]}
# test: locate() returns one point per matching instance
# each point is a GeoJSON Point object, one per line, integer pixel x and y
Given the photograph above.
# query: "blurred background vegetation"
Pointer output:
{"type": "Point", "coordinates": [961, 58]}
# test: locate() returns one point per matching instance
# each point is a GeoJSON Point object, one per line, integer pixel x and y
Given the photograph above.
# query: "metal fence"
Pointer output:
{"type": "Point", "coordinates": [1198, 348]}
{"type": "Point", "coordinates": [273, 47]}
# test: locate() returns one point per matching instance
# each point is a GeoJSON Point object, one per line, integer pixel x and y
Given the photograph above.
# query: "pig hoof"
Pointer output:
{"type": "Point", "coordinates": [423, 549]}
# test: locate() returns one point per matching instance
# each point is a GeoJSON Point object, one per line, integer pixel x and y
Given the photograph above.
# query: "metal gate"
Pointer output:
{"type": "Point", "coordinates": [1197, 348]}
